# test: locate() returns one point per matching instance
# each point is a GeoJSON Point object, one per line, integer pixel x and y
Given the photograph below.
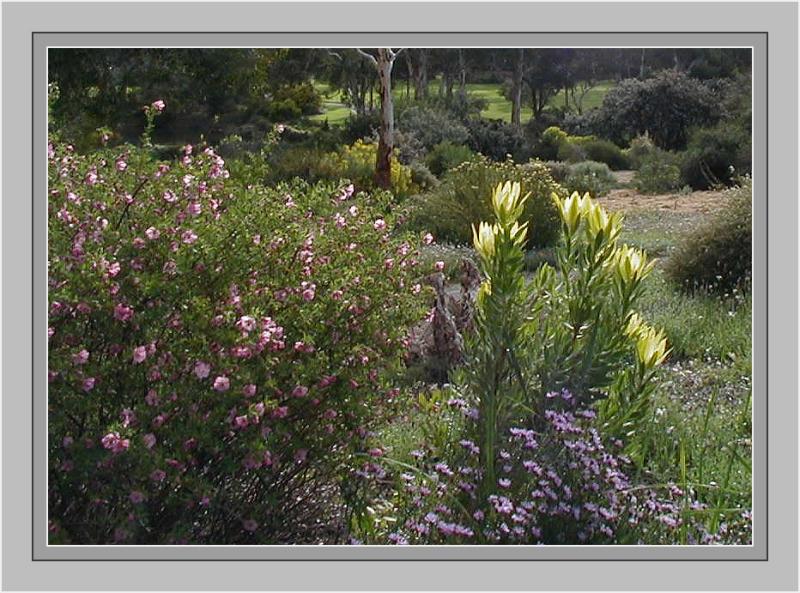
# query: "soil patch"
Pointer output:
{"type": "Point", "coordinates": [698, 202]}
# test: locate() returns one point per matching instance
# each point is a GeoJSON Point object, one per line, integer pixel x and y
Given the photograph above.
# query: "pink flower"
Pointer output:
{"type": "Point", "coordinates": [81, 357]}
{"type": "Point", "coordinates": [136, 497]}
{"type": "Point", "coordinates": [300, 391]}
{"type": "Point", "coordinates": [123, 312]}
{"type": "Point", "coordinates": [336, 295]}
{"type": "Point", "coordinates": [249, 525]}
{"type": "Point", "coordinates": [388, 263]}
{"type": "Point", "coordinates": [152, 399]}
{"type": "Point", "coordinates": [240, 422]}
{"type": "Point", "coordinates": [379, 224]}
{"type": "Point", "coordinates": [91, 178]}
{"type": "Point", "coordinates": [249, 390]}
{"type": "Point", "coordinates": [309, 294]}
{"type": "Point", "coordinates": [114, 443]}
{"type": "Point", "coordinates": [427, 239]}
{"type": "Point", "coordinates": [152, 233]}
{"type": "Point", "coordinates": [121, 164]}
{"type": "Point", "coordinates": [439, 265]}
{"type": "Point", "coordinates": [170, 197]}
{"type": "Point", "coordinates": [67, 442]}
{"type": "Point", "coordinates": [246, 323]}
{"type": "Point", "coordinates": [128, 417]}
{"type": "Point", "coordinates": [149, 440]}
{"type": "Point", "coordinates": [158, 105]}
{"type": "Point", "coordinates": [353, 210]}
{"type": "Point", "coordinates": [158, 421]}
{"type": "Point", "coordinates": [222, 383]}
{"type": "Point", "coordinates": [195, 208]}
{"type": "Point", "coordinates": [158, 475]}
{"type": "Point", "coordinates": [189, 237]}
{"type": "Point", "coordinates": [202, 369]}
{"type": "Point", "coordinates": [139, 354]}
{"type": "Point", "coordinates": [280, 412]}
{"type": "Point", "coordinates": [375, 452]}
{"type": "Point", "coordinates": [114, 269]}
{"type": "Point", "coordinates": [88, 384]}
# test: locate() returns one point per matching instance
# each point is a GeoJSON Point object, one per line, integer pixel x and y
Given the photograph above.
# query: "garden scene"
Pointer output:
{"type": "Point", "coordinates": [399, 296]}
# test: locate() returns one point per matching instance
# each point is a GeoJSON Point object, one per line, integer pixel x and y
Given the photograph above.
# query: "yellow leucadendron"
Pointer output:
{"type": "Point", "coordinates": [507, 203]}
{"type": "Point", "coordinates": [631, 264]}
{"type": "Point", "coordinates": [651, 346]}
{"type": "Point", "coordinates": [572, 209]}
{"type": "Point", "coordinates": [483, 239]}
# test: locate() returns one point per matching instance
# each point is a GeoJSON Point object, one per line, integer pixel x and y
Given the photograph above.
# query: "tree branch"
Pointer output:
{"type": "Point", "coordinates": [370, 57]}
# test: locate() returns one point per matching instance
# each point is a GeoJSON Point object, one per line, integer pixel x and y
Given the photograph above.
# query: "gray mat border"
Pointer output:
{"type": "Point", "coordinates": [506, 36]}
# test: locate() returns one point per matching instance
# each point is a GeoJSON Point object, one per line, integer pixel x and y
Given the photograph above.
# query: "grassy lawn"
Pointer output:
{"type": "Point", "coordinates": [498, 107]}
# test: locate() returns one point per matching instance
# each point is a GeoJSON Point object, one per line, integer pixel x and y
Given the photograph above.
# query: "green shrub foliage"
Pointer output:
{"type": "Point", "coordinates": [718, 255]}
{"type": "Point", "coordinates": [666, 106]}
{"type": "Point", "coordinates": [431, 126]}
{"type": "Point", "coordinates": [659, 172]}
{"type": "Point", "coordinates": [450, 210]}
{"type": "Point", "coordinates": [589, 177]}
{"type": "Point", "coordinates": [716, 156]}
{"type": "Point", "coordinates": [446, 155]}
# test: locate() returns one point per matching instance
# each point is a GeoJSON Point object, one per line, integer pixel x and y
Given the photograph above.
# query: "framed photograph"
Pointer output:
{"type": "Point", "coordinates": [438, 296]}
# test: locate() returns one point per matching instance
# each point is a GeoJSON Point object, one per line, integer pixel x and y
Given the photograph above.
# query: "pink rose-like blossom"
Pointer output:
{"type": "Point", "coordinates": [152, 399]}
{"type": "Point", "coordinates": [375, 452]}
{"type": "Point", "coordinates": [158, 105]}
{"type": "Point", "coordinates": [250, 525]}
{"type": "Point", "coordinates": [280, 412]}
{"type": "Point", "coordinates": [246, 323]}
{"type": "Point", "coordinates": [189, 237]}
{"type": "Point", "coordinates": [136, 497]}
{"type": "Point", "coordinates": [149, 440]}
{"type": "Point", "coordinates": [91, 178]}
{"type": "Point", "coordinates": [128, 417]}
{"type": "Point", "coordinates": [336, 295]}
{"type": "Point", "coordinates": [309, 294]}
{"type": "Point", "coordinates": [300, 391]}
{"type": "Point", "coordinates": [158, 475]}
{"type": "Point", "coordinates": [427, 239]}
{"type": "Point", "coordinates": [202, 369]}
{"type": "Point", "coordinates": [439, 265]}
{"type": "Point", "coordinates": [114, 269]}
{"type": "Point", "coordinates": [152, 233]}
{"type": "Point", "coordinates": [249, 390]}
{"type": "Point", "coordinates": [139, 354]}
{"type": "Point", "coordinates": [123, 312]}
{"type": "Point", "coordinates": [353, 210]}
{"type": "Point", "coordinates": [88, 384]}
{"type": "Point", "coordinates": [81, 357]}
{"type": "Point", "coordinates": [379, 224]}
{"type": "Point", "coordinates": [222, 383]}
{"type": "Point", "coordinates": [121, 165]}
{"type": "Point", "coordinates": [114, 443]}
{"type": "Point", "coordinates": [169, 197]}
{"type": "Point", "coordinates": [67, 442]}
{"type": "Point", "coordinates": [240, 422]}
{"type": "Point", "coordinates": [195, 208]}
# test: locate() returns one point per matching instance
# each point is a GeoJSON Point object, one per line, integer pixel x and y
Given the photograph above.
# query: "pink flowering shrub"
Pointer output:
{"type": "Point", "coordinates": [218, 352]}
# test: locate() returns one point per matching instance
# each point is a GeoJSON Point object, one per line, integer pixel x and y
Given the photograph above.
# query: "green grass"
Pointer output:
{"type": "Point", "coordinates": [498, 107]}
{"type": "Point", "coordinates": [333, 109]}
{"type": "Point", "coordinates": [658, 231]}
